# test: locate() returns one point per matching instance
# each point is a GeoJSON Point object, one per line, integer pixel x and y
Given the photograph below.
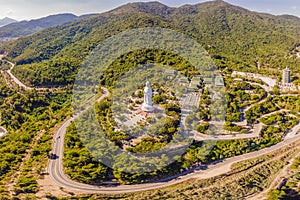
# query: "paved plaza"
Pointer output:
{"type": "Point", "coordinates": [190, 100]}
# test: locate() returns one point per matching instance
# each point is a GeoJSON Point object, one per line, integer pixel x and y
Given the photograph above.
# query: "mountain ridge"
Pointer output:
{"type": "Point", "coordinates": [23, 28]}
{"type": "Point", "coordinates": [235, 37]}
{"type": "Point", "coordinates": [5, 21]}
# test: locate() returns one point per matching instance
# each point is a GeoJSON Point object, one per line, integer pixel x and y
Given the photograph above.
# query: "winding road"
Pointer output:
{"type": "Point", "coordinates": [15, 79]}
{"type": "Point", "coordinates": [255, 134]}
{"type": "Point", "coordinates": [56, 171]}
{"type": "Point", "coordinates": [57, 174]}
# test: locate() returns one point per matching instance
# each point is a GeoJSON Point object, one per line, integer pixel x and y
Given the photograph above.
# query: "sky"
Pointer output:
{"type": "Point", "coordinates": [33, 9]}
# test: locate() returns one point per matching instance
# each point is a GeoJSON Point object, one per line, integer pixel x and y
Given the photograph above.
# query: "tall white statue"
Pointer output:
{"type": "Point", "coordinates": [148, 104]}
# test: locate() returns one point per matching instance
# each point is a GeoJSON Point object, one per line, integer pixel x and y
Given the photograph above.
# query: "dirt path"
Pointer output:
{"type": "Point", "coordinates": [277, 180]}
{"type": "Point", "coordinates": [17, 175]}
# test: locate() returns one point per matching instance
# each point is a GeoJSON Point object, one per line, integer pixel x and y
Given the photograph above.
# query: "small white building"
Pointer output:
{"type": "Point", "coordinates": [286, 76]}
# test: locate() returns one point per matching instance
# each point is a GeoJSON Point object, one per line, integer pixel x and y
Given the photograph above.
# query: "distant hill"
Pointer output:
{"type": "Point", "coordinates": [87, 16]}
{"type": "Point", "coordinates": [235, 38]}
{"type": "Point", "coordinates": [5, 21]}
{"type": "Point", "coordinates": [24, 28]}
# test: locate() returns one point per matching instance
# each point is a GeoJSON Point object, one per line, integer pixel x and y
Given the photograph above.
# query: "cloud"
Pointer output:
{"type": "Point", "coordinates": [10, 12]}
{"type": "Point", "coordinates": [269, 9]}
{"type": "Point", "coordinates": [294, 7]}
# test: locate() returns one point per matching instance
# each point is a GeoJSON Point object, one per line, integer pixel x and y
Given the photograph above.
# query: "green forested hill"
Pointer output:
{"type": "Point", "coordinates": [235, 38]}
{"type": "Point", "coordinates": [23, 28]}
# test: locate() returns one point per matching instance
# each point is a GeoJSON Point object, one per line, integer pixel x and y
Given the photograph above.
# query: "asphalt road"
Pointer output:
{"type": "Point", "coordinates": [15, 79]}
{"type": "Point", "coordinates": [257, 129]}
{"type": "Point", "coordinates": [57, 174]}
{"type": "Point", "coordinates": [56, 171]}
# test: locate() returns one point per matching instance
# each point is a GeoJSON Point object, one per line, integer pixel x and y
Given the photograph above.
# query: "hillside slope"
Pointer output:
{"type": "Point", "coordinates": [24, 28]}
{"type": "Point", "coordinates": [235, 38]}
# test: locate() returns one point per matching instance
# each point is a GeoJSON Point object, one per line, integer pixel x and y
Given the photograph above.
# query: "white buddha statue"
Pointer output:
{"type": "Point", "coordinates": [148, 104]}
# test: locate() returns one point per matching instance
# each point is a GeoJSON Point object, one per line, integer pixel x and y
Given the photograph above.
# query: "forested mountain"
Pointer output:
{"type": "Point", "coordinates": [5, 21]}
{"type": "Point", "coordinates": [24, 28]}
{"type": "Point", "coordinates": [235, 38]}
